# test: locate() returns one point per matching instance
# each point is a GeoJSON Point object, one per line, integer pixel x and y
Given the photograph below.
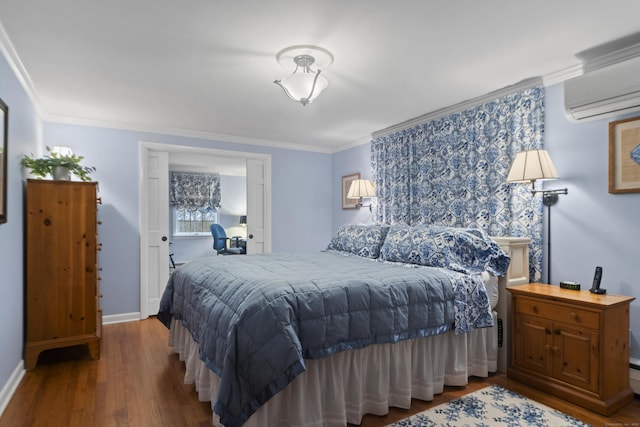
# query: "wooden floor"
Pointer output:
{"type": "Point", "coordinates": [138, 382]}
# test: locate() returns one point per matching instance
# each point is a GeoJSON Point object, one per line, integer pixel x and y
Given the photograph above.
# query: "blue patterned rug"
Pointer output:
{"type": "Point", "coordinates": [490, 407]}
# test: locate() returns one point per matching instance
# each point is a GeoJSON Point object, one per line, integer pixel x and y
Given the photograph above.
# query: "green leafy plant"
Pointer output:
{"type": "Point", "coordinates": [44, 166]}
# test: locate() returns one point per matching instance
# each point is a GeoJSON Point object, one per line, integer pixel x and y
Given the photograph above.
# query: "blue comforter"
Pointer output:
{"type": "Point", "coordinates": [256, 318]}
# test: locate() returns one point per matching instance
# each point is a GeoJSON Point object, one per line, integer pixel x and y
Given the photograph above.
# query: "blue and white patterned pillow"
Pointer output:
{"type": "Point", "coordinates": [467, 250]}
{"type": "Point", "coordinates": [362, 240]}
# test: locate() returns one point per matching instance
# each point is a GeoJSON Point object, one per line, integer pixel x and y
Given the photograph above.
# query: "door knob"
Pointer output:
{"type": "Point", "coordinates": [251, 236]}
{"type": "Point", "coordinates": [164, 238]}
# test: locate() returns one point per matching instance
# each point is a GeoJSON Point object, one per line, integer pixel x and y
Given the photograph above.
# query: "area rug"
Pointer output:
{"type": "Point", "coordinates": [490, 407]}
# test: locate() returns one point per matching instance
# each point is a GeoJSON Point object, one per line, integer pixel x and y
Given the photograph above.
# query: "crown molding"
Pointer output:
{"type": "Point", "coordinates": [210, 136]}
{"type": "Point", "coordinates": [562, 75]}
{"type": "Point", "coordinates": [355, 143]}
{"type": "Point", "coordinates": [611, 53]}
{"type": "Point", "coordinates": [525, 84]}
{"type": "Point", "coordinates": [16, 65]}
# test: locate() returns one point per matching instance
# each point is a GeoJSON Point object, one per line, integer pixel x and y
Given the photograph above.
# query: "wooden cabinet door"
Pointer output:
{"type": "Point", "coordinates": [532, 343]}
{"type": "Point", "coordinates": [575, 356]}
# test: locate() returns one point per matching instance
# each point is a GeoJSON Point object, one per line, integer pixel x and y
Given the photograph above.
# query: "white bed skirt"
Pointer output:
{"type": "Point", "coordinates": [342, 388]}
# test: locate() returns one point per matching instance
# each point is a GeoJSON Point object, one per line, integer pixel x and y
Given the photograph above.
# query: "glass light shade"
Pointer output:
{"type": "Point", "coordinates": [361, 188]}
{"type": "Point", "coordinates": [532, 165]}
{"type": "Point", "coordinates": [298, 86]}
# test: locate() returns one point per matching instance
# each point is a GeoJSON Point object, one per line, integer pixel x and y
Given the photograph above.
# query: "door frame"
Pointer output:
{"type": "Point", "coordinates": [144, 148]}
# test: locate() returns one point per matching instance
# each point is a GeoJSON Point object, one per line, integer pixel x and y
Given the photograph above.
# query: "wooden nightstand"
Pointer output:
{"type": "Point", "coordinates": [572, 344]}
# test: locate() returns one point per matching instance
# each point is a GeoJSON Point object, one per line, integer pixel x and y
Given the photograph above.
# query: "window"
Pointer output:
{"type": "Point", "coordinates": [194, 200]}
{"type": "Point", "coordinates": [193, 223]}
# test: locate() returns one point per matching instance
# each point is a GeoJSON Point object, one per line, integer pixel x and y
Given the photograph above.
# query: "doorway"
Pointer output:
{"type": "Point", "coordinates": [154, 223]}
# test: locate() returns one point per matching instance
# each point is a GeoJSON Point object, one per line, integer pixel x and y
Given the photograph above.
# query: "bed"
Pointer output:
{"type": "Point", "coordinates": [385, 314]}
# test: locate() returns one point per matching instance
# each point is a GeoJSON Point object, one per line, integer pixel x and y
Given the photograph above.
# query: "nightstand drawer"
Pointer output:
{"type": "Point", "coordinates": [558, 312]}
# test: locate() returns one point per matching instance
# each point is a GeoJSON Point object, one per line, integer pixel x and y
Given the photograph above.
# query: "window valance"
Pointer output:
{"type": "Point", "coordinates": [194, 191]}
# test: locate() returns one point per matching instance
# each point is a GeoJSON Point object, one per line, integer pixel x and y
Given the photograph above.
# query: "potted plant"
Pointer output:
{"type": "Point", "coordinates": [58, 165]}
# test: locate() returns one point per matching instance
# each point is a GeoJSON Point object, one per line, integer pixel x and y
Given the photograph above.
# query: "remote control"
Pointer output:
{"type": "Point", "coordinates": [597, 278]}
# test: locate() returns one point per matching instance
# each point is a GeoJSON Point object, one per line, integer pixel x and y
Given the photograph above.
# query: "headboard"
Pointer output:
{"type": "Point", "coordinates": [518, 273]}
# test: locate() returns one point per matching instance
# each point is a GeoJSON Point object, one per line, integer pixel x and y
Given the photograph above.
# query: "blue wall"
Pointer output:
{"type": "Point", "coordinates": [348, 162]}
{"type": "Point", "coordinates": [301, 208]}
{"type": "Point", "coordinates": [590, 227]}
{"type": "Point", "coordinates": [301, 219]}
{"type": "Point", "coordinates": [24, 137]}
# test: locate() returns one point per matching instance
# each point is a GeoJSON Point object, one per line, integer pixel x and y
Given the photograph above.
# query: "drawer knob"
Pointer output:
{"type": "Point", "coordinates": [534, 308]}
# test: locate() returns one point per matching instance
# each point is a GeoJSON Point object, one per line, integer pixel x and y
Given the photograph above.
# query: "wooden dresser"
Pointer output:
{"type": "Point", "coordinates": [62, 292]}
{"type": "Point", "coordinates": [572, 344]}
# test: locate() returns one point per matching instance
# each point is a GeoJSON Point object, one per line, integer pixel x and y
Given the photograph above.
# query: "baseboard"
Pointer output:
{"type": "Point", "coordinates": [120, 318]}
{"type": "Point", "coordinates": [10, 387]}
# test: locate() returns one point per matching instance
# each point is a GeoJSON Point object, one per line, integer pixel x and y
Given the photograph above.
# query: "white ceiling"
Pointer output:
{"type": "Point", "coordinates": [206, 67]}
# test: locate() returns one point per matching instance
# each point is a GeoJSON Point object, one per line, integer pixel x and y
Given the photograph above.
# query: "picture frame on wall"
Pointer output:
{"type": "Point", "coordinates": [346, 183]}
{"type": "Point", "coordinates": [624, 156]}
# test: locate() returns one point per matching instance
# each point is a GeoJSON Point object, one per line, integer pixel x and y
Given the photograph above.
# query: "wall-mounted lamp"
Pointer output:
{"type": "Point", "coordinates": [536, 165]}
{"type": "Point", "coordinates": [361, 188]}
{"type": "Point", "coordinates": [304, 84]}
{"type": "Point", "coordinates": [243, 220]}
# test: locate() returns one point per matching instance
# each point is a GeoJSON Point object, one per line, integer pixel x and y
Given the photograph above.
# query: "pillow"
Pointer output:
{"type": "Point", "coordinates": [467, 250]}
{"type": "Point", "coordinates": [362, 240]}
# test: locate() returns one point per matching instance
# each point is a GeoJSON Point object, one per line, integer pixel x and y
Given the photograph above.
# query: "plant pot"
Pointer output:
{"type": "Point", "coordinates": [60, 173]}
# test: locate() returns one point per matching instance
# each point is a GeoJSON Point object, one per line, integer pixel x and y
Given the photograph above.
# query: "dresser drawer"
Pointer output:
{"type": "Point", "coordinates": [558, 312]}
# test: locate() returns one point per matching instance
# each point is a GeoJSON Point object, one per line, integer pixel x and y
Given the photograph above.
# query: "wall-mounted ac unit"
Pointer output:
{"type": "Point", "coordinates": [604, 92]}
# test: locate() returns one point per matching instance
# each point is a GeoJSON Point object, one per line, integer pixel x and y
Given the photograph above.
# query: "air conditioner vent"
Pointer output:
{"type": "Point", "coordinates": [605, 92]}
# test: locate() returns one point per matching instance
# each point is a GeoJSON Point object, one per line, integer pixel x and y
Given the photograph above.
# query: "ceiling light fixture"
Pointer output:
{"type": "Point", "coordinates": [304, 84]}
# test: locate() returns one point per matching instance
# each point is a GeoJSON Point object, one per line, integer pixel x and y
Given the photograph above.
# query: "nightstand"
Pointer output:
{"type": "Point", "coordinates": [572, 344]}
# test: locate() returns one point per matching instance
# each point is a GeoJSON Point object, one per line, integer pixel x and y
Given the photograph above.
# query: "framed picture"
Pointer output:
{"type": "Point", "coordinates": [624, 156]}
{"type": "Point", "coordinates": [346, 183]}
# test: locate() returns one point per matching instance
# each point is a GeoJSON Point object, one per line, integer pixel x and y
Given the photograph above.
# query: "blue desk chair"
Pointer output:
{"type": "Point", "coordinates": [221, 242]}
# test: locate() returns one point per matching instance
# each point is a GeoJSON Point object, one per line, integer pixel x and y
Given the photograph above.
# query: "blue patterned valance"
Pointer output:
{"type": "Point", "coordinates": [194, 191]}
{"type": "Point", "coordinates": [451, 171]}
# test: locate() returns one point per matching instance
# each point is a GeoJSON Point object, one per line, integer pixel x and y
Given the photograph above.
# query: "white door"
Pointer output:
{"type": "Point", "coordinates": [156, 221]}
{"type": "Point", "coordinates": [258, 213]}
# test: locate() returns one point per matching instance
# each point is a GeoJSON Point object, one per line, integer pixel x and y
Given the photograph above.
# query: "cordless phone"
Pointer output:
{"type": "Point", "coordinates": [597, 278]}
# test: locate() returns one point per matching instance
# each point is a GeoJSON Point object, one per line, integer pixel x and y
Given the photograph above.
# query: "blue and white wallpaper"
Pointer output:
{"type": "Point", "coordinates": [452, 171]}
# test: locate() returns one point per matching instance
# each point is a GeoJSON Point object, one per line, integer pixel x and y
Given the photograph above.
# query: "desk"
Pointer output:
{"type": "Point", "coordinates": [239, 242]}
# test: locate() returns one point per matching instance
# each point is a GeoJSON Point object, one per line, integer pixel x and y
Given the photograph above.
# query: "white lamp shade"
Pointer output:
{"type": "Point", "coordinates": [532, 165]}
{"type": "Point", "coordinates": [298, 85]}
{"type": "Point", "coordinates": [361, 188]}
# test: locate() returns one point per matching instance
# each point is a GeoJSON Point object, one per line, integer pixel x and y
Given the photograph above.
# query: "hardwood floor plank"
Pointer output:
{"type": "Point", "coordinates": [139, 382]}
